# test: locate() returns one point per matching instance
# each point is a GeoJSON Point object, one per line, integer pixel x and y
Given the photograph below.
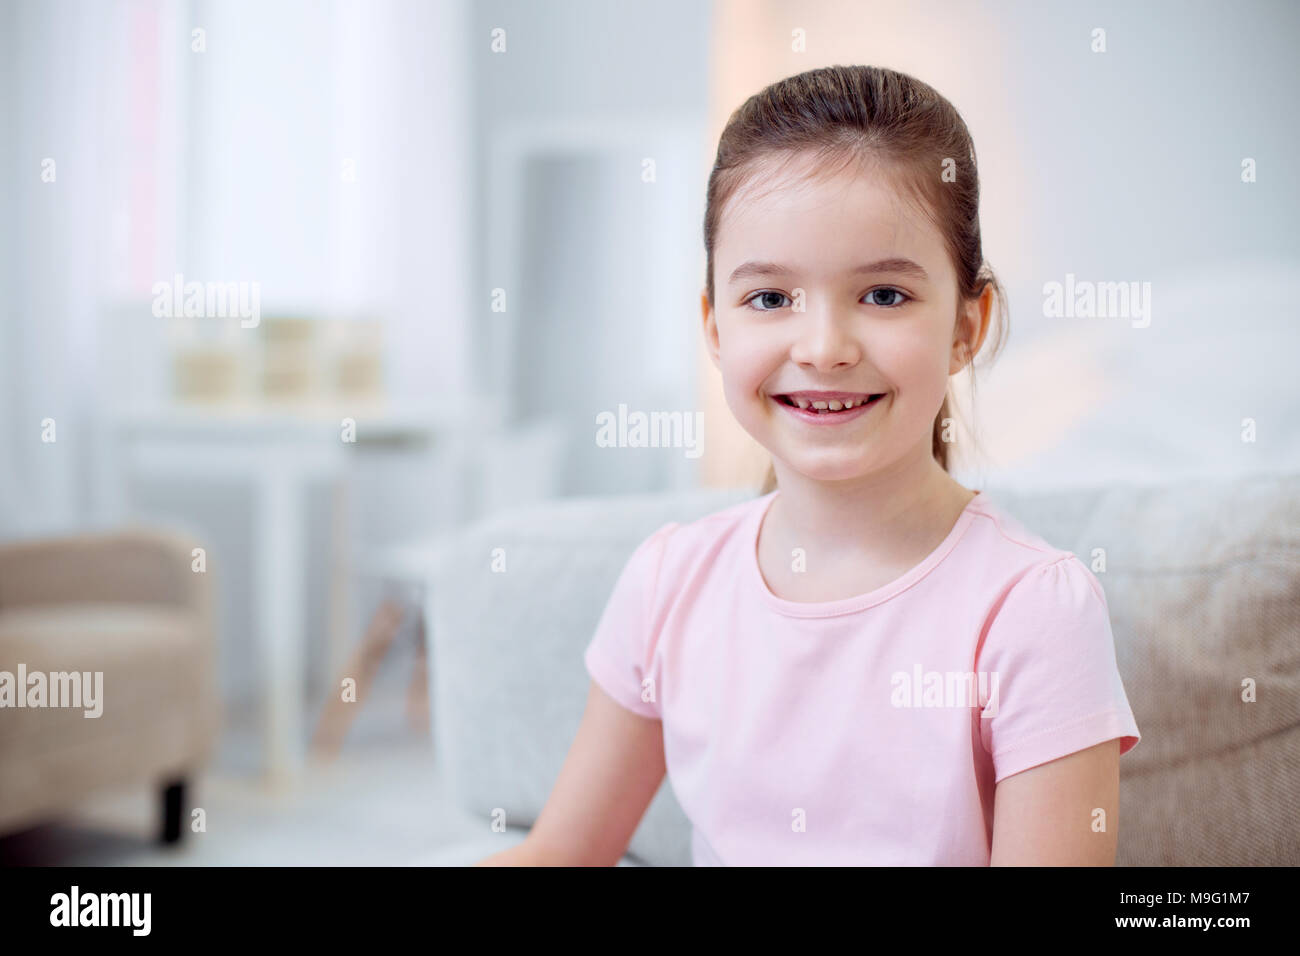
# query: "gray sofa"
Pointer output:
{"type": "Point", "coordinates": [1203, 584]}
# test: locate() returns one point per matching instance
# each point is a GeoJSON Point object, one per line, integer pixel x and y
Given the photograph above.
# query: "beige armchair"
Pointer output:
{"type": "Point", "coordinates": [127, 605]}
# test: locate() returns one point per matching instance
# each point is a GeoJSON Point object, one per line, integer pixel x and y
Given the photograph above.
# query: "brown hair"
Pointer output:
{"type": "Point", "coordinates": [871, 115]}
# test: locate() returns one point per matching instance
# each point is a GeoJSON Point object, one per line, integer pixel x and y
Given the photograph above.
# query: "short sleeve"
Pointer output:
{"type": "Point", "coordinates": [618, 656]}
{"type": "Point", "coordinates": [1050, 655]}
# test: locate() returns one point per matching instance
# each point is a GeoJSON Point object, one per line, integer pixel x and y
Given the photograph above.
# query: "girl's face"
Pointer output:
{"type": "Point", "coordinates": [834, 285]}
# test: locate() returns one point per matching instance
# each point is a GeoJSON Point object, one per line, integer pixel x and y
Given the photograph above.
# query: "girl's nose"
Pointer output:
{"type": "Point", "coordinates": [825, 341]}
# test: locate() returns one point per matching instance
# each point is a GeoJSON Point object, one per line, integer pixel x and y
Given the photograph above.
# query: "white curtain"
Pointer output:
{"type": "Point", "coordinates": [316, 148]}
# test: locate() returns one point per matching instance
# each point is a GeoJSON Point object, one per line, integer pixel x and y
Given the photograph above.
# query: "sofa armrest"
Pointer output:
{"type": "Point", "coordinates": [133, 565]}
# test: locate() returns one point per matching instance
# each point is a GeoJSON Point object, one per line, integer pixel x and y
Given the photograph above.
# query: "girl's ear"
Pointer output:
{"type": "Point", "coordinates": [710, 330]}
{"type": "Point", "coordinates": [971, 329]}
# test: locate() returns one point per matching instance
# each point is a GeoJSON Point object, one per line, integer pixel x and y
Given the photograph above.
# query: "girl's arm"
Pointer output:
{"type": "Point", "coordinates": [1046, 815]}
{"type": "Point", "coordinates": [612, 772]}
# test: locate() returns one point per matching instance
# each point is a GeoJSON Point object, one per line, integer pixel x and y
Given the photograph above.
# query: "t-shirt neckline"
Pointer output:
{"type": "Point", "coordinates": [858, 602]}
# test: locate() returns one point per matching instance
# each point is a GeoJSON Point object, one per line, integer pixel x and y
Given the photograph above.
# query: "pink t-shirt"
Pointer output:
{"type": "Point", "coordinates": [864, 731]}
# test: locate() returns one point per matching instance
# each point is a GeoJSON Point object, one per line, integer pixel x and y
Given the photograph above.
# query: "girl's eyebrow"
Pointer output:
{"type": "Point", "coordinates": [897, 266]}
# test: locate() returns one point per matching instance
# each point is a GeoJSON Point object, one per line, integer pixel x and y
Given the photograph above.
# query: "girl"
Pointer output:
{"type": "Point", "coordinates": [868, 663]}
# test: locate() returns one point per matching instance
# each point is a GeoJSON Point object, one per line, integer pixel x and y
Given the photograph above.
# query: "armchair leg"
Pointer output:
{"type": "Point", "coordinates": [173, 801]}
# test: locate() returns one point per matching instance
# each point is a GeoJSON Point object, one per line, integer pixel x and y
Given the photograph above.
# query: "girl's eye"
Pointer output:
{"type": "Point", "coordinates": [771, 301]}
{"type": "Point", "coordinates": [767, 297]}
{"type": "Point", "coordinates": [887, 291]}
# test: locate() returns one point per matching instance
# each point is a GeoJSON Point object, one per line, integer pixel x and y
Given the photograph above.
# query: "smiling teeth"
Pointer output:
{"type": "Point", "coordinates": [826, 404]}
{"type": "Point", "coordinates": [830, 405]}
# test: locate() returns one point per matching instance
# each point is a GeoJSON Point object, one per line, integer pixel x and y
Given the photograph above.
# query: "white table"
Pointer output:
{"type": "Point", "coordinates": [278, 453]}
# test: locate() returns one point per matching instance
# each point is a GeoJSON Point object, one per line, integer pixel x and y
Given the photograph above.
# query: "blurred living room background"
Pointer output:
{"type": "Point", "coordinates": [425, 254]}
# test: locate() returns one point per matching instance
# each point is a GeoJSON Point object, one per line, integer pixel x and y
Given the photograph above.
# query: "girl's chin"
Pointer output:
{"type": "Point", "coordinates": [822, 469]}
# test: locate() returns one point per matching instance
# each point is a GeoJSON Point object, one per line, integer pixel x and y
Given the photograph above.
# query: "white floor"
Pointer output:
{"type": "Point", "coordinates": [379, 803]}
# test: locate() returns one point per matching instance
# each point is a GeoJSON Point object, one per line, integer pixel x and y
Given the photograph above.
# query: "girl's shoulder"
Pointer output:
{"type": "Point", "coordinates": [1000, 525]}
{"type": "Point", "coordinates": [1017, 554]}
{"type": "Point", "coordinates": [714, 526]}
{"type": "Point", "coordinates": [678, 550]}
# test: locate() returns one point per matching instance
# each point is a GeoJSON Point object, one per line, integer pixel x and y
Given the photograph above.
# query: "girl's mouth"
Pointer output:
{"type": "Point", "coordinates": [828, 413]}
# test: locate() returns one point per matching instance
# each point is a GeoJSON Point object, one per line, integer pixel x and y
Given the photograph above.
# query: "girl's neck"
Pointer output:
{"type": "Point", "coordinates": [888, 515]}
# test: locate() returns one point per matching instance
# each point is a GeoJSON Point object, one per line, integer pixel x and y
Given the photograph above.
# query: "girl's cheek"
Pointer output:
{"type": "Point", "coordinates": [741, 385]}
{"type": "Point", "coordinates": [916, 358]}
{"type": "Point", "coordinates": [745, 363]}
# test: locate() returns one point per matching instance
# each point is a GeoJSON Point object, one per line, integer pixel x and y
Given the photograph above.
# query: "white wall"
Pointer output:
{"type": "Point", "coordinates": [601, 268]}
